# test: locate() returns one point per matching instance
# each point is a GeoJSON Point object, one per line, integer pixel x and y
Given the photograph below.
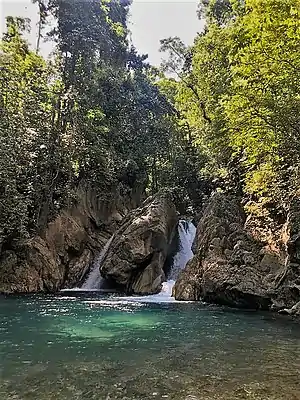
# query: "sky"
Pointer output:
{"type": "Point", "coordinates": [150, 21]}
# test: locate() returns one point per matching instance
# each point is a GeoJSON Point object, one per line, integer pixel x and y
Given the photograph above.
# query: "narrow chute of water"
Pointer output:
{"type": "Point", "coordinates": [187, 233]}
{"type": "Point", "coordinates": [93, 281]}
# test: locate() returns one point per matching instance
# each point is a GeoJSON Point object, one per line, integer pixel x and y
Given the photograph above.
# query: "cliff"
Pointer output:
{"type": "Point", "coordinates": [61, 255]}
{"type": "Point", "coordinates": [232, 267]}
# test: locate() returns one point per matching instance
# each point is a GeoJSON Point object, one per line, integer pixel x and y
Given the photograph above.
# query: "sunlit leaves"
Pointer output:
{"type": "Point", "coordinates": [245, 68]}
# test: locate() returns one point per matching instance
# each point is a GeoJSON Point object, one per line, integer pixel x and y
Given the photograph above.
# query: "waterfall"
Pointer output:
{"type": "Point", "coordinates": [187, 233]}
{"type": "Point", "coordinates": [93, 281]}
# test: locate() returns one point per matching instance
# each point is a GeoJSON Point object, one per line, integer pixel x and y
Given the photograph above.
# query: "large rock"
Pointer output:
{"type": "Point", "coordinates": [62, 254]}
{"type": "Point", "coordinates": [136, 257]}
{"type": "Point", "coordinates": [229, 267]}
{"type": "Point", "coordinates": [54, 260]}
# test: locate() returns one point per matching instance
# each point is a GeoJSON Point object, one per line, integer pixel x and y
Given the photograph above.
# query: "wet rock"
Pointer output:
{"type": "Point", "coordinates": [295, 310]}
{"type": "Point", "coordinates": [227, 266]}
{"type": "Point", "coordinates": [136, 257]}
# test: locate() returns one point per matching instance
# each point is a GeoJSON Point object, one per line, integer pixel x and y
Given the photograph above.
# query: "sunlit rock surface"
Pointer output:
{"type": "Point", "coordinates": [227, 266]}
{"type": "Point", "coordinates": [62, 254]}
{"type": "Point", "coordinates": [136, 257]}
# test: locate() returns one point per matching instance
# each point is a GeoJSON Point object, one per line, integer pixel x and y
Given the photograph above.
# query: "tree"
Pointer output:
{"type": "Point", "coordinates": [263, 110]}
{"type": "Point", "coordinates": [244, 70]}
{"type": "Point", "coordinates": [220, 12]}
{"type": "Point", "coordinates": [42, 21]}
{"type": "Point", "coordinates": [24, 99]}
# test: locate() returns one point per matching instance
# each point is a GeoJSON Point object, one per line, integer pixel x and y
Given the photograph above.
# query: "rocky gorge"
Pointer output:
{"type": "Point", "coordinates": [149, 200]}
{"type": "Point", "coordinates": [62, 253]}
{"type": "Point", "coordinates": [230, 265]}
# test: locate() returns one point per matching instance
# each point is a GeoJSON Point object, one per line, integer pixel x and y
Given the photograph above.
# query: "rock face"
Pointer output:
{"type": "Point", "coordinates": [229, 267]}
{"type": "Point", "coordinates": [46, 263]}
{"type": "Point", "coordinates": [287, 293]}
{"type": "Point", "coordinates": [57, 258]}
{"type": "Point", "coordinates": [62, 254]}
{"type": "Point", "coordinates": [136, 257]}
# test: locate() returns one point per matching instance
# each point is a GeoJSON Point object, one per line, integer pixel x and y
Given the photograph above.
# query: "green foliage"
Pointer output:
{"type": "Point", "coordinates": [263, 109]}
{"type": "Point", "coordinates": [24, 99]}
{"type": "Point", "coordinates": [220, 12]}
{"type": "Point", "coordinates": [83, 116]}
{"type": "Point", "coordinates": [240, 96]}
{"type": "Point", "coordinates": [226, 115]}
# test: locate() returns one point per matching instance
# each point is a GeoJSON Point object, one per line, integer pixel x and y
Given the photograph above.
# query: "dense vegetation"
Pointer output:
{"type": "Point", "coordinates": [224, 112]}
{"type": "Point", "coordinates": [90, 113]}
{"type": "Point", "coordinates": [238, 91]}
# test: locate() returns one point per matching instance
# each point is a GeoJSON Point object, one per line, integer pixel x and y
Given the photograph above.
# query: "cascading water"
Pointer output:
{"type": "Point", "coordinates": [187, 233]}
{"type": "Point", "coordinates": [93, 281]}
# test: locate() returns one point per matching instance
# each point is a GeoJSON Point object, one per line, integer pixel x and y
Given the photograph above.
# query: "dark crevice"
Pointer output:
{"type": "Point", "coordinates": [172, 250]}
{"type": "Point", "coordinates": [138, 270]}
{"type": "Point", "coordinates": [108, 284]}
{"type": "Point", "coordinates": [236, 298]}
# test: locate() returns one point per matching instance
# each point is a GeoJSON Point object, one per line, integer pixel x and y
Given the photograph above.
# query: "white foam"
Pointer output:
{"type": "Point", "coordinates": [93, 281]}
{"type": "Point", "coordinates": [186, 231]}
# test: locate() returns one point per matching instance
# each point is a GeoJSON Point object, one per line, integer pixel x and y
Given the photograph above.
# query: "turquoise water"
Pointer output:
{"type": "Point", "coordinates": [103, 347]}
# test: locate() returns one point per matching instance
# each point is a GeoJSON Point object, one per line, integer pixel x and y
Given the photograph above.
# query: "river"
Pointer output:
{"type": "Point", "coordinates": [89, 346]}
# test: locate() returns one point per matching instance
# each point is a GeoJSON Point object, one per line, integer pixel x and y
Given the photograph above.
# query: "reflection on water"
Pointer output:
{"type": "Point", "coordinates": [87, 346]}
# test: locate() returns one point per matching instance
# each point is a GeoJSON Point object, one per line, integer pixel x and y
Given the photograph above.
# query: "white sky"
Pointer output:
{"type": "Point", "coordinates": [150, 21]}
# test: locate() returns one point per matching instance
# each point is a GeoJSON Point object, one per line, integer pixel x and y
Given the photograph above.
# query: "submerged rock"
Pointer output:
{"type": "Point", "coordinates": [227, 267]}
{"type": "Point", "coordinates": [136, 257]}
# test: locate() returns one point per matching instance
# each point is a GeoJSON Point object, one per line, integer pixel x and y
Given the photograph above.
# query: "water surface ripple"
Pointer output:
{"type": "Point", "coordinates": [91, 346]}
